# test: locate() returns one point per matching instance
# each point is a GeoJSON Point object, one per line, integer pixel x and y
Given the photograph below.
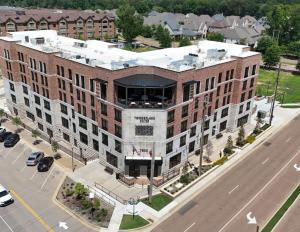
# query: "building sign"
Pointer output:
{"type": "Point", "coordinates": [144, 119]}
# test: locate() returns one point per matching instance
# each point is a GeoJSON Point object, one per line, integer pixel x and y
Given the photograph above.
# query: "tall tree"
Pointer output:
{"type": "Point", "coordinates": [128, 22]}
{"type": "Point", "coordinates": [165, 40]}
{"type": "Point", "coordinates": [264, 43]}
{"type": "Point", "coordinates": [272, 56]}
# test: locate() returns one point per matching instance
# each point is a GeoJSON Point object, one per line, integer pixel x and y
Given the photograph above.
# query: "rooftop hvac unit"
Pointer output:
{"type": "Point", "coordinates": [126, 65]}
{"type": "Point", "coordinates": [78, 57]}
{"type": "Point", "coordinates": [216, 53]}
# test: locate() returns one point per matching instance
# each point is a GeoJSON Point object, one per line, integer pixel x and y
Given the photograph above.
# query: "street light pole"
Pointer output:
{"type": "Point", "coordinates": [275, 95]}
{"type": "Point", "coordinates": [152, 173]}
{"type": "Point", "coordinates": [202, 136]}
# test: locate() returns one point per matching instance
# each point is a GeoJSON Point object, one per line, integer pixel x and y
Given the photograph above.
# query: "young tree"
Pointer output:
{"type": "Point", "coordinates": [264, 43]}
{"type": "Point", "coordinates": [129, 23]}
{"type": "Point", "coordinates": [215, 36]}
{"type": "Point", "coordinates": [165, 39]}
{"type": "Point", "coordinates": [184, 42]}
{"type": "Point", "coordinates": [80, 191]}
{"type": "Point", "coordinates": [272, 56]}
{"type": "Point", "coordinates": [17, 122]}
{"type": "Point", "coordinates": [159, 32]}
{"type": "Point", "coordinates": [209, 149]}
{"type": "Point", "coordinates": [240, 141]}
{"type": "Point", "coordinates": [54, 146]}
{"type": "Point", "coordinates": [147, 31]}
{"type": "Point", "coordinates": [34, 134]}
{"type": "Point", "coordinates": [229, 143]}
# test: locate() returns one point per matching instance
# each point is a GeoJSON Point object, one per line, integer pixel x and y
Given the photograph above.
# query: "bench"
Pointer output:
{"type": "Point", "coordinates": [109, 170]}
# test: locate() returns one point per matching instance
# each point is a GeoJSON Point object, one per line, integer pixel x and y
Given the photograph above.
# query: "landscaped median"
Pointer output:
{"type": "Point", "coordinates": [158, 202]}
{"type": "Point", "coordinates": [129, 222]}
{"type": "Point", "coordinates": [280, 213]}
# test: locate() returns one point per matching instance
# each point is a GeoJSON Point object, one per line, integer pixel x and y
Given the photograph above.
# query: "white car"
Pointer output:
{"type": "Point", "coordinates": [5, 197]}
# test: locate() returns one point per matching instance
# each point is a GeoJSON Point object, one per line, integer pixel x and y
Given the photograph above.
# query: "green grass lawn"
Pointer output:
{"type": "Point", "coordinates": [288, 84]}
{"type": "Point", "coordinates": [129, 223]}
{"type": "Point", "coordinates": [158, 201]}
{"type": "Point", "coordinates": [280, 213]}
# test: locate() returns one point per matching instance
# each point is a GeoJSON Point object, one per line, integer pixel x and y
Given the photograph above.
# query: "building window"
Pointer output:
{"type": "Point", "coordinates": [250, 94]}
{"type": "Point", "coordinates": [186, 92]}
{"type": "Point", "coordinates": [248, 106]}
{"type": "Point", "coordinates": [185, 111]}
{"type": "Point", "coordinates": [112, 159]}
{"type": "Point", "coordinates": [171, 116]}
{"type": "Point", "coordinates": [118, 115]}
{"type": "Point", "coordinates": [244, 85]}
{"type": "Point", "coordinates": [118, 131]}
{"type": "Point", "coordinates": [224, 112]}
{"type": "Point", "coordinates": [47, 105]}
{"type": "Point", "coordinates": [38, 112]}
{"type": "Point", "coordinates": [103, 109]}
{"type": "Point", "coordinates": [11, 86]}
{"type": "Point", "coordinates": [220, 78]}
{"type": "Point", "coordinates": [40, 126]}
{"type": "Point", "coordinates": [241, 109]}
{"type": "Point", "coordinates": [82, 123]}
{"type": "Point", "coordinates": [169, 147]}
{"type": "Point", "coordinates": [252, 82]}
{"type": "Point", "coordinates": [92, 100]}
{"type": "Point", "coordinates": [243, 120]}
{"type": "Point", "coordinates": [223, 125]}
{"type": "Point", "coordinates": [95, 129]}
{"type": "Point", "coordinates": [104, 124]}
{"type": "Point", "coordinates": [65, 122]}
{"type": "Point", "coordinates": [193, 131]}
{"type": "Point", "coordinates": [246, 74]}
{"type": "Point", "coordinates": [26, 100]}
{"type": "Point", "coordinates": [183, 126]}
{"type": "Point", "coordinates": [243, 97]}
{"type": "Point", "coordinates": [144, 130]}
{"type": "Point", "coordinates": [215, 116]}
{"type": "Point", "coordinates": [63, 109]}
{"type": "Point", "coordinates": [231, 73]}
{"type": "Point", "coordinates": [48, 118]}
{"type": "Point", "coordinates": [83, 138]}
{"type": "Point", "coordinates": [175, 160]}
{"type": "Point", "coordinates": [66, 137]}
{"type": "Point", "coordinates": [105, 139]}
{"type": "Point", "coordinates": [95, 145]}
{"type": "Point", "coordinates": [182, 140]}
{"type": "Point", "coordinates": [195, 117]}
{"type": "Point", "coordinates": [196, 103]}
{"type": "Point", "coordinates": [30, 115]}
{"type": "Point", "coordinates": [37, 100]}
{"type": "Point", "coordinates": [50, 133]}
{"type": "Point", "coordinates": [254, 69]}
{"type": "Point", "coordinates": [118, 146]}
{"type": "Point", "coordinates": [191, 146]}
{"type": "Point", "coordinates": [170, 131]}
{"type": "Point", "coordinates": [206, 124]}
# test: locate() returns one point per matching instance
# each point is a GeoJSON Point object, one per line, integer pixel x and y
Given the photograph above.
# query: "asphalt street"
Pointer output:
{"type": "Point", "coordinates": [33, 209]}
{"type": "Point", "coordinates": [256, 187]}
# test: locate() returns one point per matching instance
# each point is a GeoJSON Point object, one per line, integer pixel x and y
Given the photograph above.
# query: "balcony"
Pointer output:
{"type": "Point", "coordinates": [145, 91]}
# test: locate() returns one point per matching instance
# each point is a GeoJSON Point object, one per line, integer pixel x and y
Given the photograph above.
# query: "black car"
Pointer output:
{"type": "Point", "coordinates": [4, 135]}
{"type": "Point", "coordinates": [45, 164]}
{"type": "Point", "coordinates": [11, 140]}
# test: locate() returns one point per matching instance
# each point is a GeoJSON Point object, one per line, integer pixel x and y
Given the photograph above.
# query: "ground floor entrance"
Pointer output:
{"type": "Point", "coordinates": [138, 168]}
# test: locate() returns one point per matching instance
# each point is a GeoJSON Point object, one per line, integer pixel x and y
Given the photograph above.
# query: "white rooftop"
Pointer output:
{"type": "Point", "coordinates": [106, 55]}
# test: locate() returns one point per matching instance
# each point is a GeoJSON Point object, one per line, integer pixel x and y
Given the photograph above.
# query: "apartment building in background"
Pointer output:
{"type": "Point", "coordinates": [123, 107]}
{"type": "Point", "coordinates": [72, 23]}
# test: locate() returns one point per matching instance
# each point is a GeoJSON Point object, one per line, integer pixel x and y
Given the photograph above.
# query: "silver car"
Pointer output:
{"type": "Point", "coordinates": [34, 158]}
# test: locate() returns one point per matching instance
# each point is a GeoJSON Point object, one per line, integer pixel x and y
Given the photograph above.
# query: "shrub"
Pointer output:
{"type": "Point", "coordinates": [227, 151]}
{"type": "Point", "coordinates": [80, 190]}
{"type": "Point", "coordinates": [86, 203]}
{"type": "Point", "coordinates": [97, 204]}
{"type": "Point", "coordinates": [250, 139]}
{"type": "Point", "coordinates": [104, 212]}
{"type": "Point", "coordinates": [220, 161]}
{"type": "Point", "coordinates": [184, 179]}
{"type": "Point", "coordinates": [69, 192]}
{"type": "Point", "coordinates": [264, 127]}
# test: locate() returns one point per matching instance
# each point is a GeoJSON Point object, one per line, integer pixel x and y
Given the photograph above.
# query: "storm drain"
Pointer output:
{"type": "Point", "coordinates": [187, 207]}
{"type": "Point", "coordinates": [267, 144]}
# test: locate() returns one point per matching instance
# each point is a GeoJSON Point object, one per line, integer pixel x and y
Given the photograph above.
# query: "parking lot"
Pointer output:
{"type": "Point", "coordinates": [33, 209]}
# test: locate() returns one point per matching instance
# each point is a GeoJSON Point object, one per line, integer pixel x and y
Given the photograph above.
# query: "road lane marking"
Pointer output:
{"type": "Point", "coordinates": [189, 227]}
{"type": "Point", "coordinates": [47, 178]}
{"type": "Point", "coordinates": [265, 161]}
{"type": "Point", "coordinates": [288, 140]}
{"type": "Point", "coordinates": [259, 192]}
{"type": "Point", "coordinates": [233, 189]}
{"type": "Point", "coordinates": [6, 224]}
{"type": "Point", "coordinates": [34, 174]}
{"type": "Point", "coordinates": [32, 212]}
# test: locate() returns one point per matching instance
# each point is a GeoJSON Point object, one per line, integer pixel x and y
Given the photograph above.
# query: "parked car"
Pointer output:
{"type": "Point", "coordinates": [34, 158]}
{"type": "Point", "coordinates": [2, 130]}
{"type": "Point", "coordinates": [11, 140]}
{"type": "Point", "coordinates": [5, 197]}
{"type": "Point", "coordinates": [45, 164]}
{"type": "Point", "coordinates": [4, 135]}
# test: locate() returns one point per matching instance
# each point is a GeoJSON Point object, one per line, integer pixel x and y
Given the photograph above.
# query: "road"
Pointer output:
{"type": "Point", "coordinates": [256, 187]}
{"type": "Point", "coordinates": [290, 221]}
{"type": "Point", "coordinates": [33, 209]}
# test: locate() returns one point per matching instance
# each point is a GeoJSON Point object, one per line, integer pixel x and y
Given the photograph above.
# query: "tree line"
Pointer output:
{"type": "Point", "coordinates": [257, 8]}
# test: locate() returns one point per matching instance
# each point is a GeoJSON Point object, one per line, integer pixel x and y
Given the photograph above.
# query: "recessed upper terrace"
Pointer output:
{"type": "Point", "coordinates": [106, 55]}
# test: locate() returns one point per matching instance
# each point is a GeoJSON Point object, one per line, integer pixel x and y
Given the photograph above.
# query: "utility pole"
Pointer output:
{"type": "Point", "coordinates": [202, 136]}
{"type": "Point", "coordinates": [152, 173]}
{"type": "Point", "coordinates": [275, 95]}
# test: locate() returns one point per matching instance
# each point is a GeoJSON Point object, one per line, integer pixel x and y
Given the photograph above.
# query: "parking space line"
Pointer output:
{"type": "Point", "coordinates": [189, 227]}
{"type": "Point", "coordinates": [33, 174]}
{"type": "Point", "coordinates": [21, 153]}
{"type": "Point", "coordinates": [6, 224]}
{"type": "Point", "coordinates": [23, 168]}
{"type": "Point", "coordinates": [47, 178]}
{"type": "Point", "coordinates": [32, 211]}
{"type": "Point", "coordinates": [233, 189]}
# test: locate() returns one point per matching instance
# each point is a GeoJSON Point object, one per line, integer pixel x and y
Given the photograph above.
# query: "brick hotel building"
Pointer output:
{"type": "Point", "coordinates": [123, 107]}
